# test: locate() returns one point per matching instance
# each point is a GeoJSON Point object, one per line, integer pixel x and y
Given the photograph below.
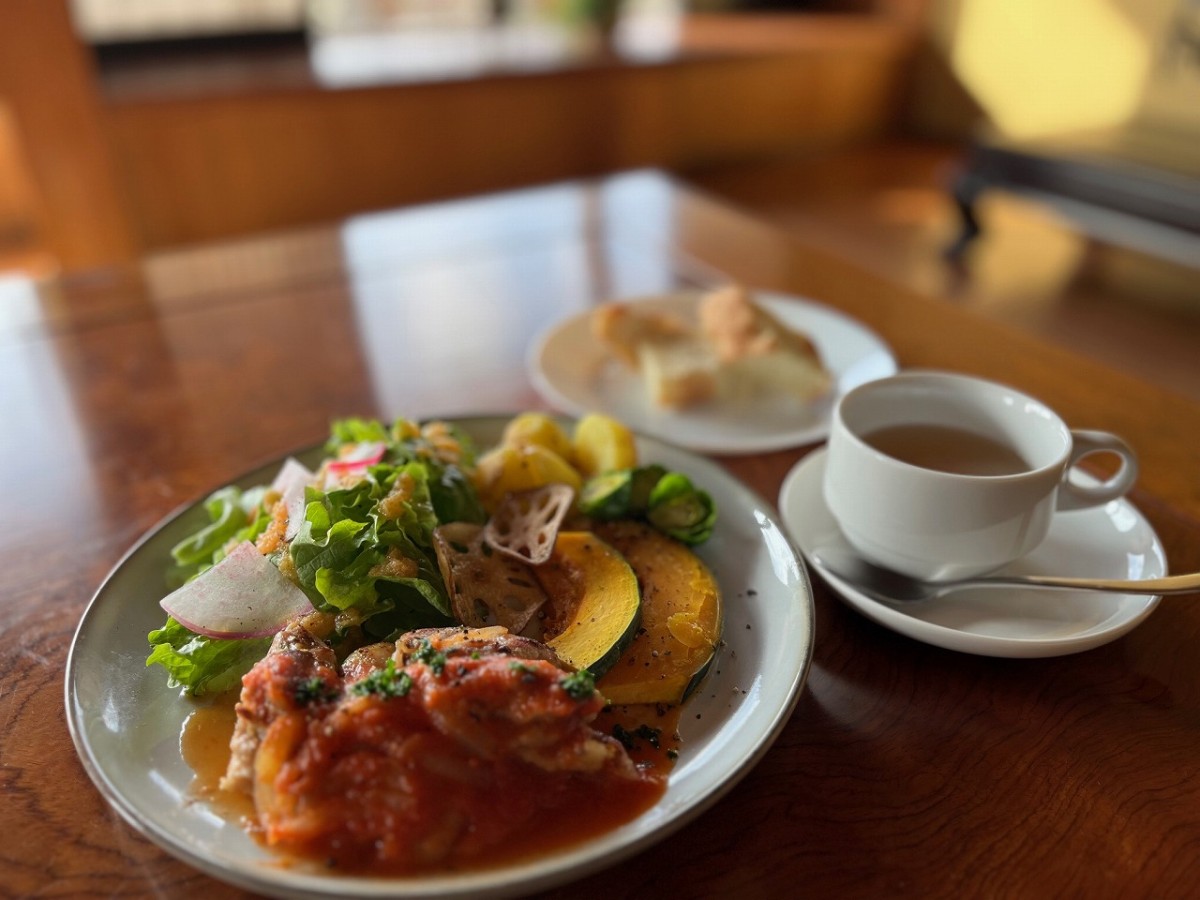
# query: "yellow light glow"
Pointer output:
{"type": "Point", "coordinates": [1051, 66]}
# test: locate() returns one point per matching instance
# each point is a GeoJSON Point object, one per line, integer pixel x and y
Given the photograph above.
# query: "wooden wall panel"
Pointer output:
{"type": "Point", "coordinates": [205, 168]}
{"type": "Point", "coordinates": [53, 108]}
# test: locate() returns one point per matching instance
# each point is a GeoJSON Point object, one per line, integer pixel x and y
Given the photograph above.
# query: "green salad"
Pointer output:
{"type": "Point", "coordinates": [354, 539]}
{"type": "Point", "coordinates": [362, 549]}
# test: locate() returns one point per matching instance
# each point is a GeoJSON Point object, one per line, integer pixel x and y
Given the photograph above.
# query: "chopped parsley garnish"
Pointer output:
{"type": "Point", "coordinates": [628, 739]}
{"type": "Point", "coordinates": [314, 690]}
{"type": "Point", "coordinates": [579, 685]}
{"type": "Point", "coordinates": [435, 659]}
{"type": "Point", "coordinates": [526, 672]}
{"type": "Point", "coordinates": [385, 682]}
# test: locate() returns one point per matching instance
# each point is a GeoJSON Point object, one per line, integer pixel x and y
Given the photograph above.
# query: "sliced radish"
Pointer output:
{"type": "Point", "coordinates": [357, 457]}
{"type": "Point", "coordinates": [291, 482]}
{"type": "Point", "coordinates": [291, 474]}
{"type": "Point", "coordinates": [242, 596]}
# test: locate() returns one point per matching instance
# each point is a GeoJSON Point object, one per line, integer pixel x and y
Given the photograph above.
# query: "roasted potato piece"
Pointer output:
{"type": "Point", "coordinates": [603, 444]}
{"type": "Point", "coordinates": [539, 429]}
{"type": "Point", "coordinates": [508, 469]}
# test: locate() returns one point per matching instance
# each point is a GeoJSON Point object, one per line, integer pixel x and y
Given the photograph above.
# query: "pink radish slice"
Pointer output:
{"type": "Point", "coordinates": [358, 457]}
{"type": "Point", "coordinates": [242, 596]}
{"type": "Point", "coordinates": [292, 473]}
{"type": "Point", "coordinates": [291, 481]}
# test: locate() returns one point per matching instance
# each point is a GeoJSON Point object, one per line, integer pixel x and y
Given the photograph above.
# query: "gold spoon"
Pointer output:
{"type": "Point", "coordinates": [883, 584]}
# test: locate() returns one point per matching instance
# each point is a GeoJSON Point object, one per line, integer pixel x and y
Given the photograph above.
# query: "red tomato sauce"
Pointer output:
{"type": "Point", "coordinates": [456, 774]}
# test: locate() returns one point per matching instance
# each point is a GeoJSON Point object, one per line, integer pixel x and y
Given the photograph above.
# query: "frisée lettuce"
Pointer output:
{"type": "Point", "coordinates": [364, 549]}
{"type": "Point", "coordinates": [235, 516]}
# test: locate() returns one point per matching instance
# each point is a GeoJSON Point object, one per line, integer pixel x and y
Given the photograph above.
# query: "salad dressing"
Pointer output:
{"type": "Point", "coordinates": [204, 746]}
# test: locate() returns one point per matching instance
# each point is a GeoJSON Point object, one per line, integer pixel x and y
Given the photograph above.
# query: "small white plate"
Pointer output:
{"type": "Point", "coordinates": [573, 372]}
{"type": "Point", "coordinates": [1110, 541]}
{"type": "Point", "coordinates": [126, 723]}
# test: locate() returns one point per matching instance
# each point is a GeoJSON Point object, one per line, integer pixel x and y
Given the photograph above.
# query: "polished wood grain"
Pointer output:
{"type": "Point", "coordinates": [905, 770]}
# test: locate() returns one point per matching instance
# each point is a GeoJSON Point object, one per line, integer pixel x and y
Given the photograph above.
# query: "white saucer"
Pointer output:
{"type": "Point", "coordinates": [573, 372]}
{"type": "Point", "coordinates": [1110, 541]}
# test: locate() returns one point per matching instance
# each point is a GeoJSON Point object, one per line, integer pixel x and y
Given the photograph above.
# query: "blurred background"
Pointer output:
{"type": "Point", "coordinates": [1032, 161]}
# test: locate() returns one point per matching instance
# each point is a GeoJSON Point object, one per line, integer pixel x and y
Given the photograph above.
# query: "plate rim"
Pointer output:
{"type": "Point", "coordinates": [571, 863]}
{"type": "Point", "coordinates": [946, 637]}
{"type": "Point", "coordinates": [798, 437]}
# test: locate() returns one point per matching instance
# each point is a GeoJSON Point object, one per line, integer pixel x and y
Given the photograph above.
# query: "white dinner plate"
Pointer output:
{"type": "Point", "coordinates": [1109, 541]}
{"type": "Point", "coordinates": [573, 372]}
{"type": "Point", "coordinates": [126, 723]}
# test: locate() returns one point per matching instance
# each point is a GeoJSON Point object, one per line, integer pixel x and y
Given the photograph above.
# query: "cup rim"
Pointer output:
{"type": "Point", "coordinates": [945, 376]}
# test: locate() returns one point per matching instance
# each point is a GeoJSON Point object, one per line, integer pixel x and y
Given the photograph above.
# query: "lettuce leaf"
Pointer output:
{"type": "Point", "coordinates": [450, 490]}
{"type": "Point", "coordinates": [453, 496]}
{"type": "Point", "coordinates": [340, 552]}
{"type": "Point", "coordinates": [199, 664]}
{"type": "Point", "coordinates": [340, 555]}
{"type": "Point", "coordinates": [354, 431]}
{"type": "Point", "coordinates": [234, 516]}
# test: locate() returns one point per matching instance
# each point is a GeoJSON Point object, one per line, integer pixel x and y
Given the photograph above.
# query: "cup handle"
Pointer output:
{"type": "Point", "coordinates": [1084, 443]}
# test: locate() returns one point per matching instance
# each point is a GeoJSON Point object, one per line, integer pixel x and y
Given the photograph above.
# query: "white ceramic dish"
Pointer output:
{"type": "Point", "coordinates": [1110, 541]}
{"type": "Point", "coordinates": [574, 373]}
{"type": "Point", "coordinates": [126, 723]}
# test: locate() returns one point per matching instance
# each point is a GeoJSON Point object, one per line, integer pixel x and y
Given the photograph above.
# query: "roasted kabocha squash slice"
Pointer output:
{"type": "Point", "coordinates": [681, 618]}
{"type": "Point", "coordinates": [594, 602]}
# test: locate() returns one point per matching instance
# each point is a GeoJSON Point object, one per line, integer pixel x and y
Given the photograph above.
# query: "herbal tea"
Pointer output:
{"type": "Point", "coordinates": [946, 449]}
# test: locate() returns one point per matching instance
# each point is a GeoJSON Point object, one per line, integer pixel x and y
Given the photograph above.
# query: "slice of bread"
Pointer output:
{"type": "Point", "coordinates": [737, 351]}
{"type": "Point", "coordinates": [624, 329]}
{"type": "Point", "coordinates": [758, 353]}
{"type": "Point", "coordinates": [679, 372]}
{"type": "Point", "coordinates": [776, 372]}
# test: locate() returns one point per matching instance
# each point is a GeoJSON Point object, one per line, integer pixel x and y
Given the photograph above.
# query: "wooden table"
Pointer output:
{"type": "Point", "coordinates": [905, 770]}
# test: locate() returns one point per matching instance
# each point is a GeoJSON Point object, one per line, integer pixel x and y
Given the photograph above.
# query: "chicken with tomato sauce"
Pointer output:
{"type": "Point", "coordinates": [452, 748]}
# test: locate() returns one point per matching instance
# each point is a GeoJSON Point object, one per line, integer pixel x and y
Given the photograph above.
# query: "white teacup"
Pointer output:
{"type": "Point", "coordinates": [960, 505]}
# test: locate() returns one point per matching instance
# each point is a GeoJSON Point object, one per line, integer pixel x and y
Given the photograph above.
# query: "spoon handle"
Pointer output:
{"type": "Point", "coordinates": [1169, 584]}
